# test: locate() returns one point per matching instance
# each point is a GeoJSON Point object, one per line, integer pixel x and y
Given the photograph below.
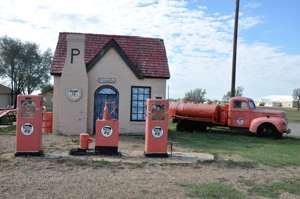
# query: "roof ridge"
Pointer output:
{"type": "Point", "coordinates": [112, 35]}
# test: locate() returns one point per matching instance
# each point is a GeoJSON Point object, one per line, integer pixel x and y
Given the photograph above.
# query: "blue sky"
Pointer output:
{"type": "Point", "coordinates": [279, 25]}
{"type": "Point", "coordinates": [197, 35]}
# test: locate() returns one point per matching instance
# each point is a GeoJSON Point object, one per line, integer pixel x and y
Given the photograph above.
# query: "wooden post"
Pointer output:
{"type": "Point", "coordinates": [236, 22]}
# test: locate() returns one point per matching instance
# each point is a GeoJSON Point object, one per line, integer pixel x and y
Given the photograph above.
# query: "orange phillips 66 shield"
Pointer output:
{"type": "Point", "coordinates": [29, 125]}
{"type": "Point", "coordinates": [156, 129]}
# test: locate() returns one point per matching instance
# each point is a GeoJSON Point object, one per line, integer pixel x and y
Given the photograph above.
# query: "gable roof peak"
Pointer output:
{"type": "Point", "coordinates": [145, 56]}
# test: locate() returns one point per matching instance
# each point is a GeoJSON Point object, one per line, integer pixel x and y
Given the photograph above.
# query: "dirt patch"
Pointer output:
{"type": "Point", "coordinates": [93, 177]}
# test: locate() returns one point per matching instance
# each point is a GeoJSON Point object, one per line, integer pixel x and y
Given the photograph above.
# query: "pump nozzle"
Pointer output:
{"type": "Point", "coordinates": [105, 112]}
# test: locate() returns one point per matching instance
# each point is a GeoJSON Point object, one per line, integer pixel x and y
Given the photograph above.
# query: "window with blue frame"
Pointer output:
{"type": "Point", "coordinates": [139, 95]}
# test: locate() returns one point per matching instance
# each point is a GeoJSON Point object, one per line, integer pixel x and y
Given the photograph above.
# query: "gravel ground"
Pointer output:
{"type": "Point", "coordinates": [83, 177]}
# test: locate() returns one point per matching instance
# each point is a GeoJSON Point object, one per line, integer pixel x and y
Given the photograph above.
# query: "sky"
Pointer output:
{"type": "Point", "coordinates": [197, 34]}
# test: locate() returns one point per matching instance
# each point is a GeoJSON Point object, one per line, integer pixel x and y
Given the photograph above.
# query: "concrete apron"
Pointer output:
{"type": "Point", "coordinates": [130, 157]}
{"type": "Point", "coordinates": [137, 157]}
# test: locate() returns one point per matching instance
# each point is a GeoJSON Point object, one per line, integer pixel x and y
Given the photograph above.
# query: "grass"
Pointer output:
{"type": "Point", "coordinates": [274, 189]}
{"type": "Point", "coordinates": [227, 191]}
{"type": "Point", "coordinates": [9, 130]}
{"type": "Point", "coordinates": [268, 151]}
{"type": "Point", "coordinates": [293, 115]}
{"type": "Point", "coordinates": [213, 190]}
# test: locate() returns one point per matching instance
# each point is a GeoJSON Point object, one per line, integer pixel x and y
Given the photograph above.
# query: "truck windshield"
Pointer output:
{"type": "Point", "coordinates": [252, 105]}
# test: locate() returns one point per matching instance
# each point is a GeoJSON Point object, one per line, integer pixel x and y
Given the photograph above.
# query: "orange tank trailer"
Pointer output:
{"type": "Point", "coordinates": [29, 125]}
{"type": "Point", "coordinates": [207, 112]}
{"type": "Point", "coordinates": [107, 134]}
{"type": "Point", "coordinates": [156, 128]}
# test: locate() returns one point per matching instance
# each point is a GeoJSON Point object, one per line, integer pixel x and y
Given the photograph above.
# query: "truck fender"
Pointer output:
{"type": "Point", "coordinates": [277, 122]}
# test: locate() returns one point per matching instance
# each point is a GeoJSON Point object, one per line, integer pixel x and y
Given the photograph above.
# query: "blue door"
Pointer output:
{"type": "Point", "coordinates": [106, 94]}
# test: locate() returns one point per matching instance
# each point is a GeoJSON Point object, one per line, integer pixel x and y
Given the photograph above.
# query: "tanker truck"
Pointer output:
{"type": "Point", "coordinates": [240, 113]}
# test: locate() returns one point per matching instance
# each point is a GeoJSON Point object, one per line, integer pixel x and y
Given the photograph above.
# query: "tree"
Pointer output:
{"type": "Point", "coordinates": [10, 53]}
{"type": "Point", "coordinates": [197, 95]}
{"type": "Point", "coordinates": [24, 65]}
{"type": "Point", "coordinates": [238, 92]}
{"type": "Point", "coordinates": [46, 88]}
{"type": "Point", "coordinates": [296, 96]}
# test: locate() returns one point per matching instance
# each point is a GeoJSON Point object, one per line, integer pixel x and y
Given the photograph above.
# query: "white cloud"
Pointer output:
{"type": "Point", "coordinates": [198, 44]}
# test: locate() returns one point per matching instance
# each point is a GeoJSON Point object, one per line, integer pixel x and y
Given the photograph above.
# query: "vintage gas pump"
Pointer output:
{"type": "Point", "coordinates": [107, 134]}
{"type": "Point", "coordinates": [29, 125]}
{"type": "Point", "coordinates": [156, 129]}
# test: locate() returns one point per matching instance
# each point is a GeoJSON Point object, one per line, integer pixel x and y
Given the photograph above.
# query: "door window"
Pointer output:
{"type": "Point", "coordinates": [240, 105]}
{"type": "Point", "coordinates": [106, 95]}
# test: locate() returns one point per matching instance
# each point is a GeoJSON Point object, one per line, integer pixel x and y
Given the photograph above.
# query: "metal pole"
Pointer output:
{"type": "Point", "coordinates": [236, 22]}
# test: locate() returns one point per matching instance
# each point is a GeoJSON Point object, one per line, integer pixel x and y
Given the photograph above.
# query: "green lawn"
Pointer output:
{"type": "Point", "coordinates": [213, 190]}
{"type": "Point", "coordinates": [268, 151]}
{"type": "Point", "coordinates": [273, 189]}
{"type": "Point", "coordinates": [292, 114]}
{"type": "Point", "coordinates": [10, 130]}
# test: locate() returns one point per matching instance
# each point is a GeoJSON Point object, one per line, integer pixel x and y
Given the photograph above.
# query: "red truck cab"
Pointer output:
{"type": "Point", "coordinates": [240, 112]}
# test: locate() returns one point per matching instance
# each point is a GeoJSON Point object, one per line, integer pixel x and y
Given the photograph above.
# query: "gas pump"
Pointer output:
{"type": "Point", "coordinates": [156, 129]}
{"type": "Point", "coordinates": [29, 125]}
{"type": "Point", "coordinates": [106, 137]}
{"type": "Point", "coordinates": [107, 134]}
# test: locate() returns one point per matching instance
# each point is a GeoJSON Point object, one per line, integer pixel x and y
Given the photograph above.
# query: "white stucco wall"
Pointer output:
{"type": "Point", "coordinates": [112, 66]}
{"type": "Point", "coordinates": [71, 116]}
{"type": "Point", "coordinates": [56, 104]}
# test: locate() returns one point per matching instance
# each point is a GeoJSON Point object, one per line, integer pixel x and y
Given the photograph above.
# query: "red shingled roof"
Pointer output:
{"type": "Point", "coordinates": [146, 56]}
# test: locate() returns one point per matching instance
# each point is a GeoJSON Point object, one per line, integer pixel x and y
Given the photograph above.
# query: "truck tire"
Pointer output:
{"type": "Point", "coordinates": [268, 130]}
{"type": "Point", "coordinates": [180, 126]}
{"type": "Point", "coordinates": [185, 125]}
{"type": "Point", "coordinates": [189, 126]}
{"type": "Point", "coordinates": [202, 127]}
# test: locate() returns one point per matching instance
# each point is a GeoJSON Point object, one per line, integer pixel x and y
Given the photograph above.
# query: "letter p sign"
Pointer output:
{"type": "Point", "coordinates": [74, 52]}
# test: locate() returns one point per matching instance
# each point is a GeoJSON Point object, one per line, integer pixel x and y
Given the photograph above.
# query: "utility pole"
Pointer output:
{"type": "Point", "coordinates": [235, 36]}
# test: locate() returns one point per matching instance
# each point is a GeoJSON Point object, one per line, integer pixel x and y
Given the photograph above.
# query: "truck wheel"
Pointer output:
{"type": "Point", "coordinates": [189, 126]}
{"type": "Point", "coordinates": [180, 126]}
{"type": "Point", "coordinates": [268, 130]}
{"type": "Point", "coordinates": [201, 127]}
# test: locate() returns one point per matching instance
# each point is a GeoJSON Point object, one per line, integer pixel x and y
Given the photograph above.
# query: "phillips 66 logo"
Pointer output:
{"type": "Point", "coordinates": [157, 132]}
{"type": "Point", "coordinates": [240, 121]}
{"type": "Point", "coordinates": [106, 131]}
{"type": "Point", "coordinates": [27, 129]}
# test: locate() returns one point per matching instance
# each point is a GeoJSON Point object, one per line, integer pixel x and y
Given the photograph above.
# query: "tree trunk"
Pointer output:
{"type": "Point", "coordinates": [15, 100]}
{"type": "Point", "coordinates": [298, 104]}
{"type": "Point", "coordinates": [12, 88]}
{"type": "Point", "coordinates": [17, 92]}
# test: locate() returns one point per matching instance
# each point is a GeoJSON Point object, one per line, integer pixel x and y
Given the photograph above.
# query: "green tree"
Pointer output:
{"type": "Point", "coordinates": [296, 96]}
{"type": "Point", "coordinates": [238, 92]}
{"type": "Point", "coordinates": [46, 88]}
{"type": "Point", "coordinates": [197, 95]}
{"type": "Point", "coordinates": [24, 65]}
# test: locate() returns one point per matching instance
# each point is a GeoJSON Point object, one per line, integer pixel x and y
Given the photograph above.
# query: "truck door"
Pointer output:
{"type": "Point", "coordinates": [239, 113]}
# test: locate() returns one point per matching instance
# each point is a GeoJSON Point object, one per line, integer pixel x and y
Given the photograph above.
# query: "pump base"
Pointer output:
{"type": "Point", "coordinates": [106, 150]}
{"type": "Point", "coordinates": [156, 155]}
{"type": "Point", "coordinates": [79, 152]}
{"type": "Point", "coordinates": [25, 154]}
